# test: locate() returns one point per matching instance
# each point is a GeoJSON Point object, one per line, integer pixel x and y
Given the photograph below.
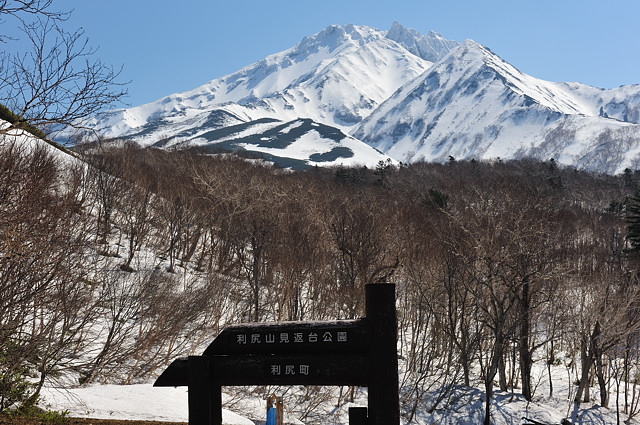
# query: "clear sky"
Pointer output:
{"type": "Point", "coordinates": [169, 46]}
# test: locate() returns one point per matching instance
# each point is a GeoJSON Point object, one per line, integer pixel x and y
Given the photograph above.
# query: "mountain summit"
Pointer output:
{"type": "Point", "coordinates": [336, 77]}
{"type": "Point", "coordinates": [431, 47]}
{"type": "Point", "coordinates": [410, 96]}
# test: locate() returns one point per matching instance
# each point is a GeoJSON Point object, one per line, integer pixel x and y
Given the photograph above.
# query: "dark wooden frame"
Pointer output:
{"type": "Point", "coordinates": [359, 352]}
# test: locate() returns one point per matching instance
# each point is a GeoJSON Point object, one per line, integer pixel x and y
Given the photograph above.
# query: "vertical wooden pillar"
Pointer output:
{"type": "Point", "coordinates": [216, 403]}
{"type": "Point", "coordinates": [357, 416]}
{"type": "Point", "coordinates": [200, 392]}
{"type": "Point", "coordinates": [384, 401]}
{"type": "Point", "coordinates": [279, 411]}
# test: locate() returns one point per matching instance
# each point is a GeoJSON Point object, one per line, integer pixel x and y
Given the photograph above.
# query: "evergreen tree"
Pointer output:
{"type": "Point", "coordinates": [629, 181]}
{"type": "Point", "coordinates": [633, 221]}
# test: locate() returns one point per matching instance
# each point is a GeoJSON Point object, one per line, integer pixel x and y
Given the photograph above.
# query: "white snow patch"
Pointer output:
{"type": "Point", "coordinates": [293, 125]}
{"type": "Point", "coordinates": [129, 402]}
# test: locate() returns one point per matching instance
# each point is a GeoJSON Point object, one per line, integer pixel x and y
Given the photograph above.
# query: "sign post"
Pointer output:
{"type": "Point", "coordinates": [384, 400]}
{"type": "Point", "coordinates": [360, 352]}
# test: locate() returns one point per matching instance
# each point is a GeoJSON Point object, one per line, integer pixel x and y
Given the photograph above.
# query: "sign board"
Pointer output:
{"type": "Point", "coordinates": [325, 369]}
{"type": "Point", "coordinates": [340, 336]}
{"type": "Point", "coordinates": [358, 352]}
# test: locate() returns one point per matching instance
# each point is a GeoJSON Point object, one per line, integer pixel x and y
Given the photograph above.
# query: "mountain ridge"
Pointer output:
{"type": "Point", "coordinates": [431, 47]}
{"type": "Point", "coordinates": [411, 96]}
{"type": "Point", "coordinates": [474, 105]}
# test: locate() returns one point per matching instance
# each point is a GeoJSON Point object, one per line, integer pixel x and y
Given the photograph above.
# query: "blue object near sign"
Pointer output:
{"type": "Point", "coordinates": [271, 416]}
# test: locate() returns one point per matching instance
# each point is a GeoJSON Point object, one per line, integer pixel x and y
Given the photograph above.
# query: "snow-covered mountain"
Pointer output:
{"type": "Point", "coordinates": [411, 96]}
{"type": "Point", "coordinates": [472, 104]}
{"type": "Point", "coordinates": [337, 77]}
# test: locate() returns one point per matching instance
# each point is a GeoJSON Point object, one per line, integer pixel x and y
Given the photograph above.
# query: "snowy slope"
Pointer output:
{"type": "Point", "coordinates": [472, 104]}
{"type": "Point", "coordinates": [298, 144]}
{"type": "Point", "coordinates": [335, 77]}
{"type": "Point", "coordinates": [27, 142]}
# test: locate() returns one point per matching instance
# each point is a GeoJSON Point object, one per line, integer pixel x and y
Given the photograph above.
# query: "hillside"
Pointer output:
{"type": "Point", "coordinates": [145, 255]}
{"type": "Point", "coordinates": [300, 144]}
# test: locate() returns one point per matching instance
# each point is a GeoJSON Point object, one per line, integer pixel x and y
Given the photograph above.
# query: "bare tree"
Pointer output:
{"type": "Point", "coordinates": [107, 186]}
{"type": "Point", "coordinates": [45, 303]}
{"type": "Point", "coordinates": [137, 204]}
{"type": "Point", "coordinates": [20, 9]}
{"type": "Point", "coordinates": [363, 254]}
{"type": "Point", "coordinates": [57, 82]}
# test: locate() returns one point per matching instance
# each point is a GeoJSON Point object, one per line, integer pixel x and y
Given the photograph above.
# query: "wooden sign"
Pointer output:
{"type": "Point", "coordinates": [325, 369]}
{"type": "Point", "coordinates": [359, 352]}
{"type": "Point", "coordinates": [341, 336]}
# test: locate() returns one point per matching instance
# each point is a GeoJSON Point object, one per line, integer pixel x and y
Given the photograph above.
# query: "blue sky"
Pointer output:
{"type": "Point", "coordinates": [173, 46]}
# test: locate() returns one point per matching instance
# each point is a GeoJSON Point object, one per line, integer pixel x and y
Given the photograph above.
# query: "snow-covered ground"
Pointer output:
{"type": "Point", "coordinates": [129, 402]}
{"type": "Point", "coordinates": [139, 402]}
{"type": "Point", "coordinates": [465, 405]}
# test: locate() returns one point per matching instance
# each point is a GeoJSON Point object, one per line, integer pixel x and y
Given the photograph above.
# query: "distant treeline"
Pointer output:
{"type": "Point", "coordinates": [110, 270]}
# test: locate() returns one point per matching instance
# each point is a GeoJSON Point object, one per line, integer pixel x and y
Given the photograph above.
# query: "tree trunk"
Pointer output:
{"type": "Point", "coordinates": [464, 358]}
{"type": "Point", "coordinates": [588, 350]}
{"type": "Point", "coordinates": [600, 371]}
{"type": "Point", "coordinates": [488, 388]}
{"type": "Point", "coordinates": [492, 370]}
{"type": "Point", "coordinates": [526, 360]}
{"type": "Point", "coordinates": [550, 361]}
{"type": "Point", "coordinates": [502, 374]}
{"type": "Point", "coordinates": [586, 362]}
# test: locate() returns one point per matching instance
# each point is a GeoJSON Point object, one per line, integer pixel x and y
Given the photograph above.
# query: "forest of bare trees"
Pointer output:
{"type": "Point", "coordinates": [116, 262]}
{"type": "Point", "coordinates": [113, 266]}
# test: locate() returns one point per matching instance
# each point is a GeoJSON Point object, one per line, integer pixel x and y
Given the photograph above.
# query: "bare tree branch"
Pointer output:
{"type": "Point", "coordinates": [21, 9]}
{"type": "Point", "coordinates": [57, 83]}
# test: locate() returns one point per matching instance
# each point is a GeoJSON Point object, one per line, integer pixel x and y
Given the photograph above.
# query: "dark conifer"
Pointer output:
{"type": "Point", "coordinates": [633, 221]}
